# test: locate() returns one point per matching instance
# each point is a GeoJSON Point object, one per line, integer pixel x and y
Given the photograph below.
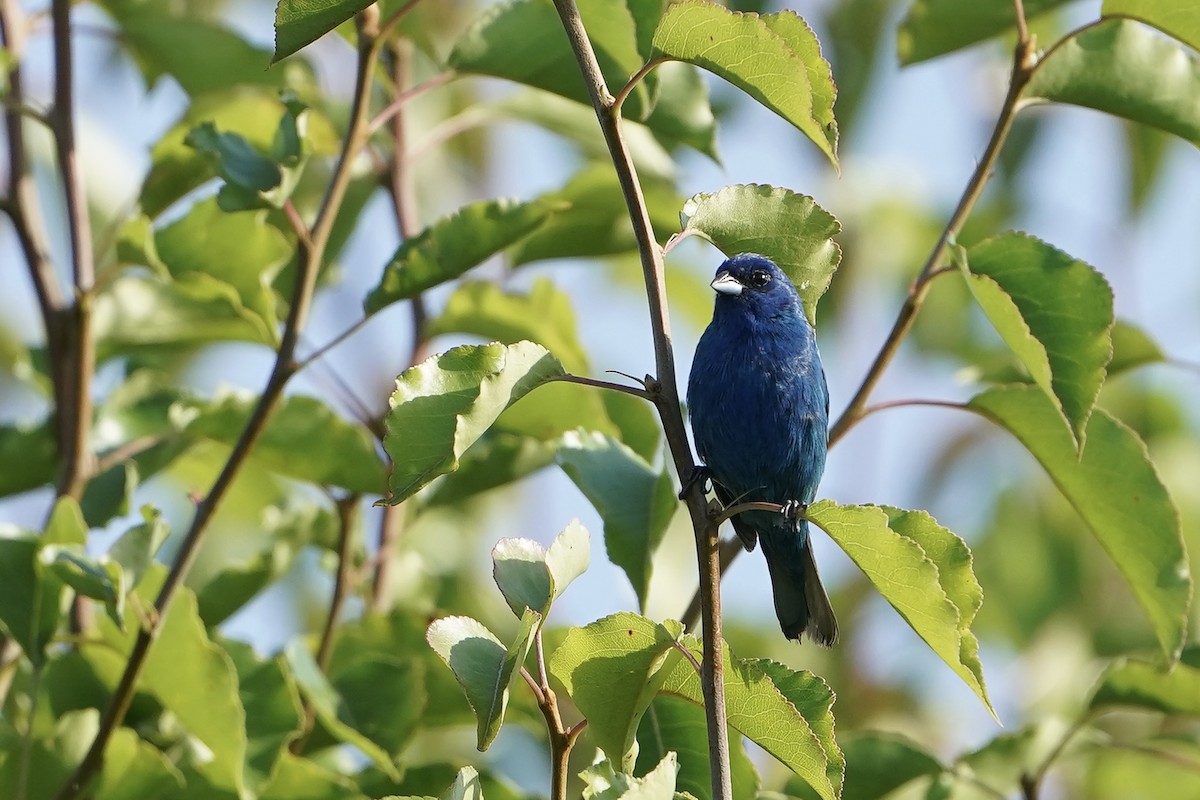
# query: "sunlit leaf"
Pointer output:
{"type": "Point", "coordinates": [774, 58]}
{"type": "Point", "coordinates": [1125, 69]}
{"type": "Point", "coordinates": [442, 405]}
{"type": "Point", "coordinates": [922, 569]}
{"type": "Point", "coordinates": [1132, 348]}
{"type": "Point", "coordinates": [789, 228]}
{"type": "Point", "coordinates": [1179, 18]}
{"type": "Point", "coordinates": [1140, 684]}
{"type": "Point", "coordinates": [1116, 490]}
{"type": "Point", "coordinates": [302, 22]}
{"type": "Point", "coordinates": [530, 576]}
{"type": "Point", "coordinates": [635, 501]}
{"type": "Point", "coordinates": [604, 781]}
{"type": "Point", "coordinates": [673, 725]}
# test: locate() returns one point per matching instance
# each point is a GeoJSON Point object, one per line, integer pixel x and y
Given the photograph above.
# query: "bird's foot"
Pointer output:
{"type": "Point", "coordinates": [700, 474]}
{"type": "Point", "coordinates": [793, 510]}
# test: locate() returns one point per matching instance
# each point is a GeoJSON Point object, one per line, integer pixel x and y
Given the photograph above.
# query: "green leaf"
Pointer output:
{"type": "Point", "coordinates": [497, 459]}
{"type": "Point", "coordinates": [596, 223]}
{"type": "Point", "coordinates": [1179, 18]}
{"type": "Point", "coordinates": [184, 48]}
{"type": "Point", "coordinates": [301, 779]}
{"type": "Point", "coordinates": [1132, 348]}
{"type": "Point", "coordinates": [774, 58]}
{"type": "Point", "coordinates": [612, 669]}
{"type": "Point", "coordinates": [1125, 69]}
{"type": "Point", "coordinates": [303, 439]}
{"type": "Point", "coordinates": [237, 160]}
{"type": "Point", "coordinates": [635, 501]}
{"type": "Point", "coordinates": [879, 763]}
{"type": "Point", "coordinates": [442, 405]}
{"type": "Point", "coordinates": [301, 22]}
{"type": "Point", "coordinates": [683, 112]}
{"type": "Point", "coordinates": [385, 695]}
{"type": "Point", "coordinates": [466, 786]}
{"type": "Point", "coordinates": [603, 781]}
{"type": "Point", "coordinates": [136, 312]}
{"type": "Point", "coordinates": [134, 551]}
{"type": "Point", "coordinates": [922, 569]}
{"type": "Point", "coordinates": [274, 717]}
{"type": "Point", "coordinates": [1139, 684]}
{"type": "Point", "coordinates": [108, 494]}
{"type": "Point", "coordinates": [531, 577]}
{"type": "Point", "coordinates": [544, 315]}
{"type": "Point", "coordinates": [785, 712]}
{"type": "Point", "coordinates": [28, 458]}
{"type": "Point", "coordinates": [1116, 490]}
{"type": "Point", "coordinates": [100, 579]}
{"type": "Point", "coordinates": [331, 708]}
{"type": "Point", "coordinates": [935, 27]}
{"type": "Point", "coordinates": [1054, 311]}
{"type": "Point", "coordinates": [30, 605]}
{"type": "Point", "coordinates": [237, 249]}
{"type": "Point", "coordinates": [455, 244]}
{"type": "Point", "coordinates": [483, 666]}
{"type": "Point", "coordinates": [674, 725]}
{"type": "Point", "coordinates": [134, 769]}
{"type": "Point", "coordinates": [789, 228]}
{"type": "Point", "coordinates": [544, 59]}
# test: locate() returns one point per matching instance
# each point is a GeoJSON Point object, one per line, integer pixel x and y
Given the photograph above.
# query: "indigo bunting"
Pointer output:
{"type": "Point", "coordinates": [759, 409]}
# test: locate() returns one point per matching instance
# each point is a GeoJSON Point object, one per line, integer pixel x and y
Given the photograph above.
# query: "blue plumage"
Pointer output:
{"type": "Point", "coordinates": [759, 408]}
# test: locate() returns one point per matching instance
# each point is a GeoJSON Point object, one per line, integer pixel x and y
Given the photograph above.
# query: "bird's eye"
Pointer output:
{"type": "Point", "coordinates": [759, 278]}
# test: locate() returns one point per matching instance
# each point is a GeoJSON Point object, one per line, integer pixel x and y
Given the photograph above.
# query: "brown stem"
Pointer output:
{"type": "Point", "coordinates": [284, 367]}
{"type": "Point", "coordinates": [615, 387]}
{"type": "Point", "coordinates": [347, 508]}
{"type": "Point", "coordinates": [562, 739]}
{"type": "Point", "coordinates": [665, 392]}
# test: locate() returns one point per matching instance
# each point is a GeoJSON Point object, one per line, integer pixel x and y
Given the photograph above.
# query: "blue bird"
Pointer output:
{"type": "Point", "coordinates": [759, 409]}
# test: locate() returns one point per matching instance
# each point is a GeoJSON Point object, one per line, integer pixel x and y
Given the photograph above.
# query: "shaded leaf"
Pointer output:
{"type": "Point", "coordinates": [1116, 490]}
{"type": "Point", "coordinates": [635, 501]}
{"type": "Point", "coordinates": [936, 27]}
{"type": "Point", "coordinates": [301, 779]}
{"type": "Point", "coordinates": [134, 551]}
{"type": "Point", "coordinates": [442, 405]}
{"type": "Point", "coordinates": [30, 602]}
{"type": "Point", "coordinates": [100, 579]}
{"type": "Point", "coordinates": [385, 695]}
{"type": "Point", "coordinates": [302, 22]}
{"type": "Point", "coordinates": [530, 576]}
{"type": "Point", "coordinates": [789, 228]}
{"type": "Point", "coordinates": [274, 717]}
{"type": "Point", "coordinates": [774, 58]}
{"type": "Point", "coordinates": [28, 458]}
{"type": "Point", "coordinates": [108, 494]}
{"type": "Point", "coordinates": [455, 244]}
{"type": "Point", "coordinates": [1123, 68]}
{"type": "Point", "coordinates": [1132, 348]}
{"type": "Point", "coordinates": [879, 763]}
{"type": "Point", "coordinates": [497, 459]}
{"type": "Point", "coordinates": [483, 666]}
{"type": "Point", "coordinates": [612, 669]}
{"type": "Point", "coordinates": [673, 725]}
{"type": "Point", "coordinates": [331, 708]}
{"type": "Point", "coordinates": [922, 569]}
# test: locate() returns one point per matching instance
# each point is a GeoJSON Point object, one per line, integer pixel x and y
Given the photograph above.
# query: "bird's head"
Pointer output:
{"type": "Point", "coordinates": [757, 285]}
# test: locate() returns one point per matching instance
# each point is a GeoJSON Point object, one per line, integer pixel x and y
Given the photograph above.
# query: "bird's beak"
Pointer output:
{"type": "Point", "coordinates": [725, 283]}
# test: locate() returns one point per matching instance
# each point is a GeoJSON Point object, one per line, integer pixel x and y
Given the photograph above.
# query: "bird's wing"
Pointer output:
{"type": "Point", "coordinates": [747, 534]}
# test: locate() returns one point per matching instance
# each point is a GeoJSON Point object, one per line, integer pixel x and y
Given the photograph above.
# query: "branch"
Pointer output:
{"type": "Point", "coordinates": [310, 258]}
{"type": "Point", "coordinates": [615, 387]}
{"type": "Point", "coordinates": [1022, 70]}
{"type": "Point", "coordinates": [665, 394]}
{"type": "Point", "coordinates": [562, 739]}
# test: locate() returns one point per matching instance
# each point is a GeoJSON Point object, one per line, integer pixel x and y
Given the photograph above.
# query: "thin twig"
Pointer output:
{"type": "Point", "coordinates": [615, 387]}
{"type": "Point", "coordinates": [301, 302]}
{"type": "Point", "coordinates": [622, 95]}
{"type": "Point", "coordinates": [664, 391]}
{"type": "Point", "coordinates": [1022, 70]}
{"type": "Point", "coordinates": [393, 108]}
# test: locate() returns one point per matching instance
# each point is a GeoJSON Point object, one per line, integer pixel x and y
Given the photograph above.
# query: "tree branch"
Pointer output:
{"type": "Point", "coordinates": [284, 367]}
{"type": "Point", "coordinates": [665, 393]}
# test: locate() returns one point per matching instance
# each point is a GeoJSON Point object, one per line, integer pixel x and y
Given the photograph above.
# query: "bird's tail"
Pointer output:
{"type": "Point", "coordinates": [800, 600]}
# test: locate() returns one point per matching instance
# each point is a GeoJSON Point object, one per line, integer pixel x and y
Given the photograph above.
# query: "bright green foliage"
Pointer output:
{"type": "Point", "coordinates": [935, 27]}
{"type": "Point", "coordinates": [1053, 311]}
{"type": "Point", "coordinates": [532, 577]}
{"type": "Point", "coordinates": [603, 781]}
{"type": "Point", "coordinates": [1132, 348]}
{"type": "Point", "coordinates": [440, 407]}
{"type": "Point", "coordinates": [789, 228]}
{"type": "Point", "coordinates": [1140, 684]}
{"type": "Point", "coordinates": [1179, 18]}
{"type": "Point", "coordinates": [612, 669]}
{"type": "Point", "coordinates": [1116, 489]}
{"type": "Point", "coordinates": [484, 667]}
{"type": "Point", "coordinates": [451, 246]}
{"type": "Point", "coordinates": [1127, 70]}
{"type": "Point", "coordinates": [876, 764]}
{"type": "Point", "coordinates": [302, 22]}
{"type": "Point", "coordinates": [775, 59]}
{"type": "Point", "coordinates": [922, 569]}
{"type": "Point", "coordinates": [635, 501]}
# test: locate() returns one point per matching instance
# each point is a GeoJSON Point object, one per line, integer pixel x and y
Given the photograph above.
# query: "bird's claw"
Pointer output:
{"type": "Point", "coordinates": [701, 474]}
{"type": "Point", "coordinates": [793, 510]}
